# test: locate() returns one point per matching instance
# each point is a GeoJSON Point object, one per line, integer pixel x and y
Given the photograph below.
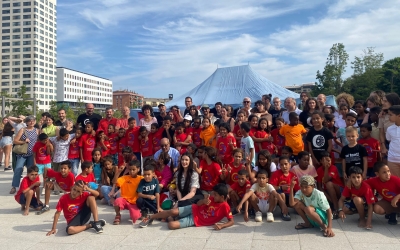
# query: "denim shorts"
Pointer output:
{"type": "Point", "coordinates": [41, 167]}
{"type": "Point", "coordinates": [186, 217]}
{"type": "Point", "coordinates": [6, 140]}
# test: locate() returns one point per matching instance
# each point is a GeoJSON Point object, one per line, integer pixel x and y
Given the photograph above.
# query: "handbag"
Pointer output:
{"type": "Point", "coordinates": [21, 149]}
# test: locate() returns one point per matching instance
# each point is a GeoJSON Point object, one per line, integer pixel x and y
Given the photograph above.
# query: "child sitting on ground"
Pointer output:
{"type": "Point", "coordinates": [28, 194]}
{"type": "Point", "coordinates": [77, 207]}
{"type": "Point", "coordinates": [64, 180]}
{"type": "Point", "coordinates": [148, 192]}
{"type": "Point", "coordinates": [360, 195]}
{"type": "Point", "coordinates": [263, 198]}
{"type": "Point", "coordinates": [87, 173]}
{"type": "Point", "coordinates": [207, 212]}
{"type": "Point", "coordinates": [237, 191]}
{"type": "Point", "coordinates": [329, 182]}
{"type": "Point", "coordinates": [304, 167]}
{"type": "Point", "coordinates": [312, 206]}
{"type": "Point", "coordinates": [42, 151]}
{"type": "Point", "coordinates": [128, 185]}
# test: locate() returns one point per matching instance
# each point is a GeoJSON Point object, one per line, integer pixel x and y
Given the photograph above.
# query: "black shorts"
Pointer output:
{"type": "Point", "coordinates": [279, 191]}
{"type": "Point", "coordinates": [81, 218]}
{"type": "Point", "coordinates": [34, 202]}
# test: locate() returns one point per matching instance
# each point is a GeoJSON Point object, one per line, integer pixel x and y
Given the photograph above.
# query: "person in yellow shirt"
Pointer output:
{"type": "Point", "coordinates": [293, 133]}
{"type": "Point", "coordinates": [128, 185]}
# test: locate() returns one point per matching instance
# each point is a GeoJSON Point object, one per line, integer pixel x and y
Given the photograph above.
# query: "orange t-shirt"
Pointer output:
{"type": "Point", "coordinates": [293, 136]}
{"type": "Point", "coordinates": [128, 186]}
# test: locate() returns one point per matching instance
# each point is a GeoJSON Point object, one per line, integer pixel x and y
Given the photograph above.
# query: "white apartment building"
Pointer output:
{"type": "Point", "coordinates": [73, 86]}
{"type": "Point", "coordinates": [28, 49]}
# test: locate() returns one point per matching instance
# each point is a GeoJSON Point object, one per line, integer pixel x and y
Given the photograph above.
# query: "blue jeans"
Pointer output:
{"type": "Point", "coordinates": [105, 190]}
{"type": "Point", "coordinates": [19, 168]}
{"type": "Point", "coordinates": [74, 165]}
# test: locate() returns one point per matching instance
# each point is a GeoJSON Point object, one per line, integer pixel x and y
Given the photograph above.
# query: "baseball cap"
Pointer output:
{"type": "Point", "coordinates": [205, 106]}
{"type": "Point", "coordinates": [307, 180]}
{"type": "Point", "coordinates": [161, 104]}
{"type": "Point", "coordinates": [187, 117]}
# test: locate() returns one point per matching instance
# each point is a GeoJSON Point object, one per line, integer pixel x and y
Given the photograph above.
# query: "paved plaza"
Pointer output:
{"type": "Point", "coordinates": [19, 232]}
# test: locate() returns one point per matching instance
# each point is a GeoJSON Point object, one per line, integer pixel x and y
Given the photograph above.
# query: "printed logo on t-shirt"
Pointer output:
{"type": "Point", "coordinates": [235, 177]}
{"type": "Point", "coordinates": [73, 208]}
{"type": "Point", "coordinates": [388, 194]}
{"type": "Point", "coordinates": [131, 136]}
{"type": "Point", "coordinates": [243, 145]}
{"type": "Point", "coordinates": [86, 121]}
{"type": "Point", "coordinates": [318, 141]}
{"type": "Point", "coordinates": [222, 148]}
{"type": "Point", "coordinates": [90, 141]}
{"type": "Point", "coordinates": [368, 148]}
{"type": "Point", "coordinates": [207, 178]}
{"type": "Point", "coordinates": [209, 213]}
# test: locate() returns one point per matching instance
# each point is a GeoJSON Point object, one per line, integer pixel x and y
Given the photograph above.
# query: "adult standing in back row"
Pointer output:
{"type": "Point", "coordinates": [290, 105]}
{"type": "Point", "coordinates": [89, 116]}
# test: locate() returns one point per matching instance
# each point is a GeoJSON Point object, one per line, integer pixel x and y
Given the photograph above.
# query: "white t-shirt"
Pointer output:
{"type": "Point", "coordinates": [262, 193]}
{"type": "Point", "coordinates": [272, 167]}
{"type": "Point", "coordinates": [393, 135]}
{"type": "Point", "coordinates": [285, 114]}
{"type": "Point", "coordinates": [246, 144]}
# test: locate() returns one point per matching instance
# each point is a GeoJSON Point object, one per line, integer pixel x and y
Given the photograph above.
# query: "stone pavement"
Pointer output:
{"type": "Point", "coordinates": [19, 232]}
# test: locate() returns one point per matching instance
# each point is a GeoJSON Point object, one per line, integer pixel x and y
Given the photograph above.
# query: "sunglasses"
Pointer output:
{"type": "Point", "coordinates": [246, 102]}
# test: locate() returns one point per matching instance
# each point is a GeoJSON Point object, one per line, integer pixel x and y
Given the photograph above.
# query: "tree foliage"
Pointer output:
{"type": "Point", "coordinates": [390, 81]}
{"type": "Point", "coordinates": [22, 106]}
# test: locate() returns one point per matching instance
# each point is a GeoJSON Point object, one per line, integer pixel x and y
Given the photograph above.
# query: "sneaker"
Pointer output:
{"type": "Point", "coordinates": [392, 219]}
{"type": "Point", "coordinates": [7, 168]}
{"type": "Point", "coordinates": [145, 222]}
{"type": "Point", "coordinates": [252, 214]}
{"type": "Point", "coordinates": [97, 226]}
{"type": "Point", "coordinates": [258, 217]}
{"type": "Point", "coordinates": [102, 222]}
{"type": "Point", "coordinates": [56, 192]}
{"type": "Point", "coordinates": [286, 217]}
{"type": "Point", "coordinates": [270, 217]}
{"type": "Point", "coordinates": [45, 209]}
{"type": "Point", "coordinates": [234, 211]}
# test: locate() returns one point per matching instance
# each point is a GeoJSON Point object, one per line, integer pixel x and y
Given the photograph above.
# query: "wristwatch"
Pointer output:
{"type": "Point", "coordinates": [340, 209]}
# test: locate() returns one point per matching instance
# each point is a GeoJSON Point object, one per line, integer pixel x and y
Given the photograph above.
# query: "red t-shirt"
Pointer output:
{"type": "Point", "coordinates": [26, 183]}
{"type": "Point", "coordinates": [65, 183]}
{"type": "Point", "coordinates": [237, 133]}
{"type": "Point", "coordinates": [253, 132]}
{"type": "Point", "coordinates": [189, 131]}
{"type": "Point", "coordinates": [121, 144]}
{"type": "Point", "coordinates": [145, 147]}
{"type": "Point", "coordinates": [86, 179]}
{"type": "Point", "coordinates": [279, 141]}
{"type": "Point", "coordinates": [71, 207]}
{"type": "Point", "coordinates": [40, 149]}
{"type": "Point", "coordinates": [103, 124]}
{"type": "Point", "coordinates": [209, 175]}
{"type": "Point", "coordinates": [106, 152]}
{"type": "Point", "coordinates": [372, 146]}
{"type": "Point", "coordinates": [113, 139]}
{"type": "Point", "coordinates": [181, 138]}
{"type": "Point", "coordinates": [87, 143]}
{"type": "Point", "coordinates": [259, 134]}
{"type": "Point", "coordinates": [388, 190]}
{"type": "Point", "coordinates": [207, 215]}
{"type": "Point", "coordinates": [73, 152]}
{"type": "Point", "coordinates": [278, 178]}
{"type": "Point", "coordinates": [333, 173]}
{"type": "Point", "coordinates": [132, 138]}
{"type": "Point", "coordinates": [196, 136]}
{"type": "Point", "coordinates": [364, 191]}
{"type": "Point", "coordinates": [155, 138]}
{"type": "Point", "coordinates": [241, 190]}
{"type": "Point", "coordinates": [233, 176]}
{"type": "Point", "coordinates": [224, 149]}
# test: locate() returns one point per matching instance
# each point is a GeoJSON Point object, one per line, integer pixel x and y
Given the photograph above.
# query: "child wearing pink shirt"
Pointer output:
{"type": "Point", "coordinates": [304, 167]}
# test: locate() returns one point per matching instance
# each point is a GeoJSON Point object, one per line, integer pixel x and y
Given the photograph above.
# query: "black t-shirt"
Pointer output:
{"type": "Point", "coordinates": [303, 118]}
{"type": "Point", "coordinates": [215, 113]}
{"type": "Point", "coordinates": [84, 118]}
{"type": "Point", "coordinates": [171, 133]}
{"type": "Point", "coordinates": [319, 140]}
{"type": "Point", "coordinates": [275, 114]}
{"type": "Point", "coordinates": [160, 120]}
{"type": "Point", "coordinates": [58, 123]}
{"type": "Point", "coordinates": [353, 156]}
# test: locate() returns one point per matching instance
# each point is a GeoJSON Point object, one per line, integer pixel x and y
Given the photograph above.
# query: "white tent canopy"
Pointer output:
{"type": "Point", "coordinates": [230, 85]}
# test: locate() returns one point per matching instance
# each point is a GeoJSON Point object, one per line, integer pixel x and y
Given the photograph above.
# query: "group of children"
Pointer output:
{"type": "Point", "coordinates": [250, 170]}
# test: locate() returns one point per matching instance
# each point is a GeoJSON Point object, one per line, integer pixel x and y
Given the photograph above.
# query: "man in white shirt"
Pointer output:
{"type": "Point", "coordinates": [290, 105]}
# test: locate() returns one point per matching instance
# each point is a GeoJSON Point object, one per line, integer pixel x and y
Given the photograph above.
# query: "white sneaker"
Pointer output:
{"type": "Point", "coordinates": [270, 217]}
{"type": "Point", "coordinates": [258, 217]}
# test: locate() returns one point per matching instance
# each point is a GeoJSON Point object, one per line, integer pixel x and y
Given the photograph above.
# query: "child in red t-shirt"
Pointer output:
{"type": "Point", "coordinates": [225, 144]}
{"type": "Point", "coordinates": [122, 143]}
{"type": "Point", "coordinates": [277, 139]}
{"type": "Point", "coordinates": [241, 117]}
{"type": "Point", "coordinates": [28, 194]}
{"type": "Point", "coordinates": [329, 181]}
{"type": "Point", "coordinates": [210, 170]}
{"type": "Point", "coordinates": [237, 191]}
{"type": "Point", "coordinates": [145, 144]}
{"type": "Point", "coordinates": [64, 180]}
{"type": "Point", "coordinates": [207, 212]}
{"type": "Point", "coordinates": [181, 139]}
{"type": "Point", "coordinates": [87, 175]}
{"type": "Point", "coordinates": [87, 142]}
{"type": "Point", "coordinates": [262, 139]}
{"type": "Point", "coordinates": [74, 151]}
{"type": "Point", "coordinates": [196, 130]}
{"type": "Point", "coordinates": [281, 180]}
{"type": "Point", "coordinates": [77, 207]}
{"type": "Point", "coordinates": [113, 140]}
{"type": "Point", "coordinates": [132, 137]}
{"type": "Point", "coordinates": [42, 151]}
{"type": "Point", "coordinates": [360, 194]}
{"type": "Point", "coordinates": [103, 143]}
{"type": "Point", "coordinates": [372, 146]}
{"type": "Point", "coordinates": [230, 171]}
{"type": "Point", "coordinates": [155, 136]}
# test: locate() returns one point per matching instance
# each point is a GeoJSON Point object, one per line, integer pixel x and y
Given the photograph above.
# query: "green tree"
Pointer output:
{"type": "Point", "coordinates": [390, 81]}
{"type": "Point", "coordinates": [117, 114]}
{"type": "Point", "coordinates": [330, 81]}
{"type": "Point", "coordinates": [22, 106]}
{"type": "Point", "coordinates": [80, 107]}
{"type": "Point", "coordinates": [367, 74]}
{"type": "Point", "coordinates": [54, 108]}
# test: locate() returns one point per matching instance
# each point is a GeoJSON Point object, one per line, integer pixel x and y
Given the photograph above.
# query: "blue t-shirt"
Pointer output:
{"type": "Point", "coordinates": [97, 171]}
{"type": "Point", "coordinates": [149, 188]}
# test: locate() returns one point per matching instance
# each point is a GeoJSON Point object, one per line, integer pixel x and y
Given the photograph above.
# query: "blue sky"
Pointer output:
{"type": "Point", "coordinates": [161, 47]}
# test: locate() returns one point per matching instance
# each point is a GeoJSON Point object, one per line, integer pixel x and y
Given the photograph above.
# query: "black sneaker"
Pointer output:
{"type": "Point", "coordinates": [286, 217]}
{"type": "Point", "coordinates": [7, 168]}
{"type": "Point", "coordinates": [45, 209]}
{"type": "Point", "coordinates": [145, 222]}
{"type": "Point", "coordinates": [252, 213]}
{"type": "Point", "coordinates": [102, 222]}
{"type": "Point", "coordinates": [97, 226]}
{"type": "Point", "coordinates": [234, 211]}
{"type": "Point", "coordinates": [392, 219]}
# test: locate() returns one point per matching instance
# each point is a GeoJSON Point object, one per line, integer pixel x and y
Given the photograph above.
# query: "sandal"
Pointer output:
{"type": "Point", "coordinates": [302, 226]}
{"type": "Point", "coordinates": [13, 190]}
{"type": "Point", "coordinates": [117, 220]}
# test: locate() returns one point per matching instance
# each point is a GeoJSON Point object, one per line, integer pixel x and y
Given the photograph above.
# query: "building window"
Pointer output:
{"type": "Point", "coordinates": [16, 30]}
{"type": "Point", "coordinates": [16, 50]}
{"type": "Point", "coordinates": [27, 56]}
{"type": "Point", "coordinates": [6, 12]}
{"type": "Point", "coordinates": [27, 17]}
{"type": "Point", "coordinates": [16, 43]}
{"type": "Point", "coordinates": [16, 69]}
{"type": "Point", "coordinates": [5, 25]}
{"type": "Point", "coordinates": [6, 5]}
{"type": "Point", "coordinates": [27, 4]}
{"type": "Point", "coordinates": [16, 4]}
{"type": "Point", "coordinates": [16, 11]}
{"type": "Point", "coordinates": [16, 36]}
{"type": "Point", "coordinates": [5, 44]}
{"type": "Point", "coordinates": [5, 84]}
{"type": "Point", "coordinates": [5, 18]}
{"type": "Point", "coordinates": [5, 31]}
{"type": "Point", "coordinates": [27, 10]}
{"type": "Point", "coordinates": [27, 29]}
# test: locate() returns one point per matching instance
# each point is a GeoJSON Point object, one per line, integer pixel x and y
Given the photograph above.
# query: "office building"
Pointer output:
{"type": "Point", "coordinates": [306, 87]}
{"type": "Point", "coordinates": [127, 98]}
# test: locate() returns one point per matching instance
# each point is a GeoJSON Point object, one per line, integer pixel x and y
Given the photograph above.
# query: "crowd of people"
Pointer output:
{"type": "Point", "coordinates": [195, 167]}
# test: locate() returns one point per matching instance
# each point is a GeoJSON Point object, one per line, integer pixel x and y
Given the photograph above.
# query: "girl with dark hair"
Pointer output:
{"type": "Point", "coordinates": [384, 122]}
{"type": "Point", "coordinates": [310, 106]}
{"type": "Point", "coordinates": [226, 143]}
{"type": "Point", "coordinates": [361, 110]}
{"type": "Point", "coordinates": [210, 168]}
{"type": "Point", "coordinates": [163, 171]}
{"type": "Point", "coordinates": [6, 143]}
{"type": "Point", "coordinates": [148, 118]}
{"type": "Point", "coordinates": [264, 161]}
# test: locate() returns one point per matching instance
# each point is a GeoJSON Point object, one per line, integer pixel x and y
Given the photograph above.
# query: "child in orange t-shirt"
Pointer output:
{"type": "Point", "coordinates": [294, 134]}
{"type": "Point", "coordinates": [128, 185]}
